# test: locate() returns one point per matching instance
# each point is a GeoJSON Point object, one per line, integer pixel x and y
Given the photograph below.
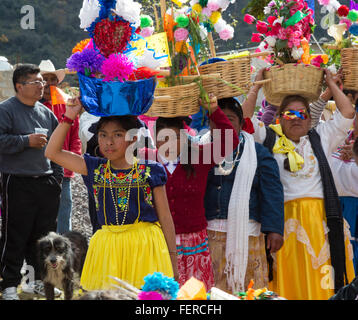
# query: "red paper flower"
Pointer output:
{"type": "Point", "coordinates": [142, 73]}
{"type": "Point", "coordinates": [343, 11]}
{"type": "Point", "coordinates": [271, 19]}
{"type": "Point", "coordinates": [249, 19]}
{"type": "Point", "coordinates": [261, 27]}
{"type": "Point", "coordinates": [112, 36]}
{"type": "Point", "coordinates": [256, 37]}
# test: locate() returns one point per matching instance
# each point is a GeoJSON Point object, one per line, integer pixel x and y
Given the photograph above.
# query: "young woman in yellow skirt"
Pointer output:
{"type": "Point", "coordinates": [316, 257]}
{"type": "Point", "coordinates": [137, 236]}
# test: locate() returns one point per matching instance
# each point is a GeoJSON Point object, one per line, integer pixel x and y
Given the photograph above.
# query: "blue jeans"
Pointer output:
{"type": "Point", "coordinates": [65, 209]}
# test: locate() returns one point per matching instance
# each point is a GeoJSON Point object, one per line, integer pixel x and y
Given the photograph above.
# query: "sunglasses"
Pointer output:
{"type": "Point", "coordinates": [295, 114]}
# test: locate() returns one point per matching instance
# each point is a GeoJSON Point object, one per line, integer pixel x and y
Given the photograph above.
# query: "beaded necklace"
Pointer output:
{"type": "Point", "coordinates": [226, 172]}
{"type": "Point", "coordinates": [125, 211]}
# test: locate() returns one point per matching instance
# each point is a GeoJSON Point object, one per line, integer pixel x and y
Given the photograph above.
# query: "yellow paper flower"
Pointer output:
{"type": "Point", "coordinates": [197, 7]}
{"type": "Point", "coordinates": [215, 17]}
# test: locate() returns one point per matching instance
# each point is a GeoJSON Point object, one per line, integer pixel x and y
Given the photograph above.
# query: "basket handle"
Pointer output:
{"type": "Point", "coordinates": [204, 76]}
{"type": "Point", "coordinates": [330, 46]}
{"type": "Point", "coordinates": [260, 54]}
{"type": "Point", "coordinates": [163, 73]}
{"type": "Point", "coordinates": [262, 81]}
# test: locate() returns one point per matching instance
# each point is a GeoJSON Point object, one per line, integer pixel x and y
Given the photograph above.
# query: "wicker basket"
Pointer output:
{"type": "Point", "coordinates": [349, 63]}
{"type": "Point", "coordinates": [236, 72]}
{"type": "Point", "coordinates": [180, 100]}
{"type": "Point", "coordinates": [292, 79]}
{"type": "Point", "coordinates": [177, 101]}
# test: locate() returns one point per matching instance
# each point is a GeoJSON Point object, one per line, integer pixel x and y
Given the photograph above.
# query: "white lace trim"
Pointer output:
{"type": "Point", "coordinates": [293, 225]}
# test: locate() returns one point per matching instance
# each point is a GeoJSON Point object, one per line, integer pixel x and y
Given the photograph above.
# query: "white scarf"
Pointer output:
{"type": "Point", "coordinates": [237, 240]}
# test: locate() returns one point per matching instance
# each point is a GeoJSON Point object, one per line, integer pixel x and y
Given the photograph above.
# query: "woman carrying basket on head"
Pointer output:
{"type": "Point", "coordinates": [316, 257]}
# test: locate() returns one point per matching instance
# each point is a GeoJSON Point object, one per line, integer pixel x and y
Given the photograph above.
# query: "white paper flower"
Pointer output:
{"type": "Point", "coordinates": [129, 11]}
{"type": "Point", "coordinates": [89, 13]}
{"type": "Point", "coordinates": [223, 4]}
{"type": "Point", "coordinates": [192, 2]}
{"type": "Point", "coordinates": [297, 53]}
{"type": "Point", "coordinates": [278, 20]}
{"type": "Point", "coordinates": [203, 32]}
{"type": "Point", "coordinates": [332, 68]}
{"type": "Point", "coordinates": [336, 31]}
{"type": "Point", "coordinates": [271, 41]}
{"type": "Point", "coordinates": [333, 6]}
{"type": "Point", "coordinates": [267, 10]}
{"type": "Point", "coordinates": [220, 25]}
{"type": "Point", "coordinates": [263, 47]}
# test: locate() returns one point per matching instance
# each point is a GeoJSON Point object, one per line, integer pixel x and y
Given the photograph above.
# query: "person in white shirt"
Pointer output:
{"type": "Point", "coordinates": [313, 218]}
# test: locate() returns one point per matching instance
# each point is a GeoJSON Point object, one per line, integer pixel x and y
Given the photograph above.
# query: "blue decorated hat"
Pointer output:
{"type": "Point", "coordinates": [116, 98]}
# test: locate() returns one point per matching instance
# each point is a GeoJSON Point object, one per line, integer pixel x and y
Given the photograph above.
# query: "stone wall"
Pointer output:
{"type": "Point", "coordinates": [6, 86]}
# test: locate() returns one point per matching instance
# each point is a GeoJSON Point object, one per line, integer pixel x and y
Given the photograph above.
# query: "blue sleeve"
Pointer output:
{"type": "Point", "coordinates": [270, 192]}
{"type": "Point", "coordinates": [158, 176]}
{"type": "Point", "coordinates": [92, 163]}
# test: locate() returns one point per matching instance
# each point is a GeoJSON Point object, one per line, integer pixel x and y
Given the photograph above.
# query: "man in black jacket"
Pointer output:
{"type": "Point", "coordinates": [31, 184]}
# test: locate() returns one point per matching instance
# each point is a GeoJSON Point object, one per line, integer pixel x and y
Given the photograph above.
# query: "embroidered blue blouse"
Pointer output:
{"type": "Point", "coordinates": [123, 187]}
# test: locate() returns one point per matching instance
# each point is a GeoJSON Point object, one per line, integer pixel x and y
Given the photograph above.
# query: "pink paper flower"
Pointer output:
{"type": "Point", "coordinates": [347, 22]}
{"type": "Point", "coordinates": [256, 37]}
{"type": "Point", "coordinates": [90, 45]}
{"type": "Point", "coordinates": [117, 67]}
{"type": "Point", "coordinates": [213, 6]}
{"type": "Point", "coordinates": [206, 12]}
{"type": "Point", "coordinates": [324, 2]}
{"type": "Point", "coordinates": [281, 34]}
{"type": "Point", "coordinates": [151, 295]}
{"type": "Point", "coordinates": [317, 61]}
{"type": "Point", "coordinates": [147, 32]}
{"type": "Point", "coordinates": [227, 33]}
{"type": "Point", "coordinates": [181, 34]}
{"type": "Point", "coordinates": [249, 19]}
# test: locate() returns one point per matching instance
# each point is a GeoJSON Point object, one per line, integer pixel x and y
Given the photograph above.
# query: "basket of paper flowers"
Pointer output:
{"type": "Point", "coordinates": [178, 93]}
{"type": "Point", "coordinates": [234, 72]}
{"type": "Point", "coordinates": [112, 82]}
{"type": "Point", "coordinates": [287, 33]}
{"type": "Point", "coordinates": [343, 51]}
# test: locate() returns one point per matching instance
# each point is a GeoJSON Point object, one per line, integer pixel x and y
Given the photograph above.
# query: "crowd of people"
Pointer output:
{"type": "Point", "coordinates": [228, 199]}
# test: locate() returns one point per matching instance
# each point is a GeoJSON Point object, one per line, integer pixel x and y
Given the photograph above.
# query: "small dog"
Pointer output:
{"type": "Point", "coordinates": [60, 256]}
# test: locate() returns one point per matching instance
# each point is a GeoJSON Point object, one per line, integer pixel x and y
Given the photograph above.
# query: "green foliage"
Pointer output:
{"type": "Point", "coordinates": [57, 28]}
{"type": "Point", "coordinates": [56, 31]}
{"type": "Point", "coordinates": [334, 57]}
{"type": "Point", "coordinates": [256, 8]}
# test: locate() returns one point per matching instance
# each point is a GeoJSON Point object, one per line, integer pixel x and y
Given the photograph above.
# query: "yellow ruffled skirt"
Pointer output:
{"type": "Point", "coordinates": [129, 252]}
{"type": "Point", "coordinates": [304, 270]}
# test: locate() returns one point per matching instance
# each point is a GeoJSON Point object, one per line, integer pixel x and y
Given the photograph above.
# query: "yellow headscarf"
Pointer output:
{"type": "Point", "coordinates": [285, 146]}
